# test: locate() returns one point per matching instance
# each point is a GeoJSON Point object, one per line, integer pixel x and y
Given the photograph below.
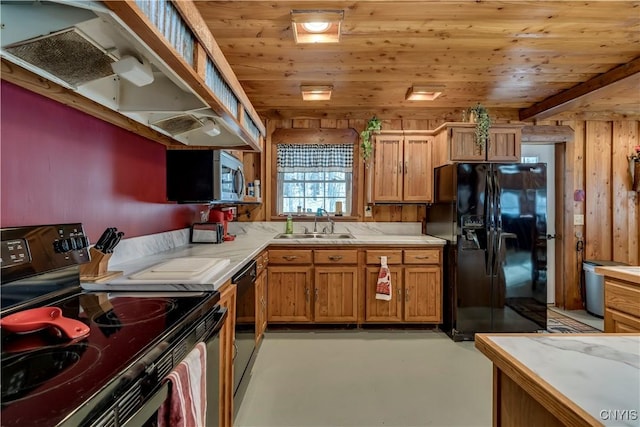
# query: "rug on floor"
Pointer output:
{"type": "Point", "coordinates": [558, 323]}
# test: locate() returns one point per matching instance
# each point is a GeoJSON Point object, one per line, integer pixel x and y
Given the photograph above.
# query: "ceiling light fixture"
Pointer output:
{"type": "Point", "coordinates": [424, 93]}
{"type": "Point", "coordinates": [316, 93]}
{"type": "Point", "coordinates": [316, 26]}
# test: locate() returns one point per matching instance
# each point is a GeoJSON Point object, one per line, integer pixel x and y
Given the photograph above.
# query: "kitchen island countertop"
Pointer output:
{"type": "Point", "coordinates": [581, 379]}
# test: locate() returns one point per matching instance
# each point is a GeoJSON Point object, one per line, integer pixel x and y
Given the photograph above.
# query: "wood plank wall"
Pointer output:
{"type": "Point", "coordinates": [595, 162]}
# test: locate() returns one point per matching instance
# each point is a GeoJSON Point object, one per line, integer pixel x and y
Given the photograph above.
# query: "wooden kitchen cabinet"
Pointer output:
{"type": "Point", "coordinates": [422, 294]}
{"type": "Point", "coordinates": [402, 167]}
{"type": "Point", "coordinates": [261, 295]}
{"type": "Point", "coordinates": [227, 343]}
{"type": "Point", "coordinates": [621, 303]}
{"type": "Point", "coordinates": [289, 293]}
{"type": "Point", "coordinates": [456, 142]}
{"type": "Point", "coordinates": [380, 310]}
{"type": "Point", "coordinates": [335, 285]}
{"type": "Point", "coordinates": [416, 286]}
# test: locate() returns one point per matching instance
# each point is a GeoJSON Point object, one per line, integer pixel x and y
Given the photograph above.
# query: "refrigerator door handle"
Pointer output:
{"type": "Point", "coordinates": [488, 223]}
{"type": "Point", "coordinates": [497, 196]}
{"type": "Point", "coordinates": [497, 258]}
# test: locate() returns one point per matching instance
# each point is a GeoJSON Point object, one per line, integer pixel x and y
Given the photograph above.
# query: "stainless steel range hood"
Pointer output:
{"type": "Point", "coordinates": [74, 43]}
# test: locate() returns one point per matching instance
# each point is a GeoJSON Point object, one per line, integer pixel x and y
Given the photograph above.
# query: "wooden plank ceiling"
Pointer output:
{"type": "Point", "coordinates": [518, 56]}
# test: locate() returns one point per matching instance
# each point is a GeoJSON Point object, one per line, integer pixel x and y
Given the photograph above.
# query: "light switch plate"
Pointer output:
{"type": "Point", "coordinates": [578, 219]}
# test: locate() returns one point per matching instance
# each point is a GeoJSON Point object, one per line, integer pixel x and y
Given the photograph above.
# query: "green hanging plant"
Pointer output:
{"type": "Point", "coordinates": [483, 123]}
{"type": "Point", "coordinates": [373, 125]}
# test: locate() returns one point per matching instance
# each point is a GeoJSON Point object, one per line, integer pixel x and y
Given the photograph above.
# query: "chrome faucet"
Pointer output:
{"type": "Point", "coordinates": [331, 222]}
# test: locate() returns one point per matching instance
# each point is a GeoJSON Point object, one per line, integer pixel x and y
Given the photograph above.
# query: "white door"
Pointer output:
{"type": "Point", "coordinates": [545, 153]}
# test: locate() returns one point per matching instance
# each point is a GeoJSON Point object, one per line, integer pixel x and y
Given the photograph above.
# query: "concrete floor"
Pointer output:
{"type": "Point", "coordinates": [367, 378]}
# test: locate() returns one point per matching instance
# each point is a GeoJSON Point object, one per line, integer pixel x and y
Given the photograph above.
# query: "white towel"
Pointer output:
{"type": "Point", "coordinates": [383, 287]}
{"type": "Point", "coordinates": [186, 405]}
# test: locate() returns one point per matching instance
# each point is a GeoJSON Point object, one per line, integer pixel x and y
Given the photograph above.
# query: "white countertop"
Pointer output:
{"type": "Point", "coordinates": [599, 373]}
{"type": "Point", "coordinates": [251, 239]}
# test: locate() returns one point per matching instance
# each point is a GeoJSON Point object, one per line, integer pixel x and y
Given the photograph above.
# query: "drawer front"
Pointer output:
{"type": "Point", "coordinates": [281, 256]}
{"type": "Point", "coordinates": [616, 322]}
{"type": "Point", "coordinates": [393, 256]}
{"type": "Point", "coordinates": [337, 256]}
{"type": "Point", "coordinates": [422, 256]}
{"type": "Point", "coordinates": [622, 297]}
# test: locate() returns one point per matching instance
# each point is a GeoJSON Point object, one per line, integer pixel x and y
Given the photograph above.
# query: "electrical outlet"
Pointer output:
{"type": "Point", "coordinates": [367, 212]}
{"type": "Point", "coordinates": [578, 219]}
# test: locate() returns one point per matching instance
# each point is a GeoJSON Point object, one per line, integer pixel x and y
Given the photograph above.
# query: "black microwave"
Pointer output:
{"type": "Point", "coordinates": [201, 176]}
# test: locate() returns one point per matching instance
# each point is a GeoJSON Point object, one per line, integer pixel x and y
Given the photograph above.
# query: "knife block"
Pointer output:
{"type": "Point", "coordinates": [97, 270]}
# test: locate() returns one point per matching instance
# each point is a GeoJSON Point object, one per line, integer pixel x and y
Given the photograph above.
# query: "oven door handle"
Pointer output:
{"type": "Point", "coordinates": [149, 408]}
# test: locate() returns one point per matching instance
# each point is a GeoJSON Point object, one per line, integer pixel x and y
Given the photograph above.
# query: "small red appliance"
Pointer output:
{"type": "Point", "coordinates": [223, 216]}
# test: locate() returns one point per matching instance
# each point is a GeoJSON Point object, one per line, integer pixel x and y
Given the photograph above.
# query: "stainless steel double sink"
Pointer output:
{"type": "Point", "coordinates": [315, 236]}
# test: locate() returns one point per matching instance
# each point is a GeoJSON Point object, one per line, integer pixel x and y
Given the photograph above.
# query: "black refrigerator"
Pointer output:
{"type": "Point", "coordinates": [494, 218]}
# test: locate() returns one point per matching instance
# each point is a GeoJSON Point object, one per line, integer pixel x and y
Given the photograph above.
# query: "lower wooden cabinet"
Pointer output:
{"type": "Point", "coordinates": [289, 293]}
{"type": "Point", "coordinates": [380, 310]}
{"type": "Point", "coordinates": [227, 343]}
{"type": "Point", "coordinates": [422, 294]}
{"type": "Point", "coordinates": [335, 294]}
{"type": "Point", "coordinates": [307, 285]}
{"type": "Point", "coordinates": [417, 295]}
{"type": "Point", "coordinates": [261, 305]}
{"type": "Point", "coordinates": [262, 261]}
{"type": "Point", "coordinates": [622, 310]}
{"type": "Point", "coordinates": [416, 282]}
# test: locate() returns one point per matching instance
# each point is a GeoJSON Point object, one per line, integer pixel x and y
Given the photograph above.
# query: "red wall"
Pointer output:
{"type": "Point", "coordinates": [60, 165]}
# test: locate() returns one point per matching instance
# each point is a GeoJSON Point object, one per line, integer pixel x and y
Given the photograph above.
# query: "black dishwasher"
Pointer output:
{"type": "Point", "coordinates": [245, 342]}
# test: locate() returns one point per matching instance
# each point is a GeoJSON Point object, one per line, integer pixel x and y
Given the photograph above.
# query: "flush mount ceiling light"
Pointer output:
{"type": "Point", "coordinates": [424, 93]}
{"type": "Point", "coordinates": [316, 93]}
{"type": "Point", "coordinates": [316, 26]}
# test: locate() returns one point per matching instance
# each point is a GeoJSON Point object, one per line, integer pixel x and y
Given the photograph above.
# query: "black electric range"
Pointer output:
{"type": "Point", "coordinates": [105, 377]}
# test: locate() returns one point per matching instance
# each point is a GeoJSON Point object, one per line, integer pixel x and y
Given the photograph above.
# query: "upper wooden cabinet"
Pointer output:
{"type": "Point", "coordinates": [456, 142]}
{"type": "Point", "coordinates": [402, 167]}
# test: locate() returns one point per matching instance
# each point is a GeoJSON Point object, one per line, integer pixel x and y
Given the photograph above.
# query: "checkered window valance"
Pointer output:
{"type": "Point", "coordinates": [314, 157]}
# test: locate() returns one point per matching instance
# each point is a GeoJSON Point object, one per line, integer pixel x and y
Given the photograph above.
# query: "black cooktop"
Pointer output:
{"type": "Point", "coordinates": [47, 378]}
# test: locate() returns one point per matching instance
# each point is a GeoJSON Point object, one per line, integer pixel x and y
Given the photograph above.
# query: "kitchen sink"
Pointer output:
{"type": "Point", "coordinates": [335, 236]}
{"type": "Point", "coordinates": [315, 236]}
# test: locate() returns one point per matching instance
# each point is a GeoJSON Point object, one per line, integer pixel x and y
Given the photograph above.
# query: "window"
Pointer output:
{"type": "Point", "coordinates": [314, 176]}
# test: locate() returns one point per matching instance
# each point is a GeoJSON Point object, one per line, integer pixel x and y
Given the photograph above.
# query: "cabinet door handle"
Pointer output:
{"type": "Point", "coordinates": [306, 293]}
{"type": "Point", "coordinates": [315, 295]}
{"type": "Point", "coordinates": [406, 295]}
{"type": "Point", "coordinates": [422, 257]}
{"type": "Point", "coordinates": [290, 257]}
{"type": "Point", "coordinates": [399, 293]}
{"type": "Point", "coordinates": [335, 257]}
{"type": "Point", "coordinates": [235, 351]}
{"type": "Point", "coordinates": [406, 167]}
{"type": "Point", "coordinates": [400, 168]}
